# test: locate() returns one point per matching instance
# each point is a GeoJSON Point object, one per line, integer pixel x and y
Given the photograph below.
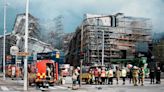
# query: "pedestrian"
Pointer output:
{"type": "Point", "coordinates": [109, 75]}
{"type": "Point", "coordinates": [152, 76]}
{"type": "Point", "coordinates": [135, 75]}
{"type": "Point", "coordinates": [123, 75]}
{"type": "Point", "coordinates": [103, 75]}
{"type": "Point", "coordinates": [117, 74]}
{"type": "Point", "coordinates": [158, 75]}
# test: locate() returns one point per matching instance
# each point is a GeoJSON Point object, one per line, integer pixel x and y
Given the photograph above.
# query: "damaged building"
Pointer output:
{"type": "Point", "coordinates": [123, 35]}
{"type": "Point", "coordinates": [16, 37]}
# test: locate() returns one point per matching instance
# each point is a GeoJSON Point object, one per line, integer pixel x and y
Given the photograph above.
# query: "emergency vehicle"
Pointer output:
{"type": "Point", "coordinates": [13, 68]}
{"type": "Point", "coordinates": [87, 75]}
{"type": "Point", "coordinates": [44, 72]}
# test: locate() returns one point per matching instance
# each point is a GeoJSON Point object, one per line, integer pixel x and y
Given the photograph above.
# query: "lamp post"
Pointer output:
{"type": "Point", "coordinates": [102, 62]}
{"type": "Point", "coordinates": [4, 40]}
{"type": "Point", "coordinates": [26, 45]}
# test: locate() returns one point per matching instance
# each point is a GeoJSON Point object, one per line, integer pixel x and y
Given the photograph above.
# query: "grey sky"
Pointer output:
{"type": "Point", "coordinates": [73, 10]}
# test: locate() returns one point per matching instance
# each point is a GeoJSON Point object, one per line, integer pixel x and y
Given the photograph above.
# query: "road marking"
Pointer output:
{"type": "Point", "coordinates": [61, 87]}
{"type": "Point", "coordinates": [4, 88]}
{"type": "Point", "coordinates": [52, 88]}
{"type": "Point", "coordinates": [57, 87]}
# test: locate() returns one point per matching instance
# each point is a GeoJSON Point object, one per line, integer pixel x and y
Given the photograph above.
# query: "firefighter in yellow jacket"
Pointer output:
{"type": "Point", "coordinates": [135, 75]}
{"type": "Point", "coordinates": [142, 75]}
{"type": "Point", "coordinates": [109, 75]}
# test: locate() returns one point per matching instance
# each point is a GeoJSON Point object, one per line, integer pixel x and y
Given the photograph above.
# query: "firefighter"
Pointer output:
{"type": "Point", "coordinates": [158, 75]}
{"type": "Point", "coordinates": [91, 76]}
{"type": "Point", "coordinates": [123, 75]}
{"type": "Point", "coordinates": [96, 74]}
{"type": "Point", "coordinates": [103, 75]}
{"type": "Point", "coordinates": [139, 75]}
{"type": "Point", "coordinates": [48, 71]}
{"type": "Point", "coordinates": [99, 70]}
{"type": "Point", "coordinates": [74, 78]}
{"type": "Point", "coordinates": [152, 76]}
{"type": "Point", "coordinates": [117, 74]}
{"type": "Point", "coordinates": [130, 76]}
{"type": "Point", "coordinates": [142, 75]}
{"type": "Point", "coordinates": [135, 75]}
{"type": "Point", "coordinates": [110, 76]}
{"type": "Point", "coordinates": [78, 75]}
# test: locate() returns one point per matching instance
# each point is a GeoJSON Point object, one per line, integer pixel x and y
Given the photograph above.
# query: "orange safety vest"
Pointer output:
{"type": "Point", "coordinates": [103, 73]}
{"type": "Point", "coordinates": [96, 73]}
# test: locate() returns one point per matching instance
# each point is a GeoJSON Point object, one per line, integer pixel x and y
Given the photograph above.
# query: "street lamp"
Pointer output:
{"type": "Point", "coordinates": [4, 40]}
{"type": "Point", "coordinates": [26, 45]}
{"type": "Point", "coordinates": [102, 49]}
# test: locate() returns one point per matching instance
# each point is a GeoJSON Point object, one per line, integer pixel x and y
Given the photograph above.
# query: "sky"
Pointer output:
{"type": "Point", "coordinates": [74, 10]}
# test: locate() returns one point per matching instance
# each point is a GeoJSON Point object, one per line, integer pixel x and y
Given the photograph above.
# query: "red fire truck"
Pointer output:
{"type": "Point", "coordinates": [43, 73]}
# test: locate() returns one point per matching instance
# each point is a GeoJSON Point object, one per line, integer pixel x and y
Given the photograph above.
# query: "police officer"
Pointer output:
{"type": "Point", "coordinates": [135, 75]}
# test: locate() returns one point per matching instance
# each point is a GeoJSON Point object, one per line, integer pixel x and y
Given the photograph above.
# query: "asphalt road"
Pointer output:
{"type": "Point", "coordinates": [17, 86]}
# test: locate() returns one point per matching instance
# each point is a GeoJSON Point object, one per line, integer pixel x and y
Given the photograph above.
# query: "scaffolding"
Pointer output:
{"type": "Point", "coordinates": [122, 37]}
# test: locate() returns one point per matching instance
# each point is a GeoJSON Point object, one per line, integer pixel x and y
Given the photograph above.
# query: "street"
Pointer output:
{"type": "Point", "coordinates": [81, 46]}
{"type": "Point", "coordinates": [17, 86]}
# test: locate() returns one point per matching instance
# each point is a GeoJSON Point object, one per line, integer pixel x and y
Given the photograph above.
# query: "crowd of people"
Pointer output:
{"type": "Point", "coordinates": [104, 75]}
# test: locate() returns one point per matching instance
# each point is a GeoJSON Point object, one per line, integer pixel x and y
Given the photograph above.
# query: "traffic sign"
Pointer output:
{"type": "Point", "coordinates": [57, 54]}
{"type": "Point", "coordinates": [23, 54]}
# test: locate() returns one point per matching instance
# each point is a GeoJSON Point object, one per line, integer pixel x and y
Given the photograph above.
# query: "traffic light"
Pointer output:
{"type": "Point", "coordinates": [81, 55]}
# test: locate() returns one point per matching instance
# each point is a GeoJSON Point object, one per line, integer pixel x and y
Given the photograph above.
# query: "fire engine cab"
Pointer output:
{"type": "Point", "coordinates": [44, 72]}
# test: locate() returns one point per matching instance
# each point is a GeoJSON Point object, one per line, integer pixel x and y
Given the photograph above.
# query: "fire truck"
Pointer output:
{"type": "Point", "coordinates": [44, 72]}
{"type": "Point", "coordinates": [13, 67]}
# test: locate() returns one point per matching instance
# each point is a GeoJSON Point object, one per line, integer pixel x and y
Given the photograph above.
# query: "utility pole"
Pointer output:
{"type": "Point", "coordinates": [103, 48]}
{"type": "Point", "coordinates": [81, 51]}
{"type": "Point", "coordinates": [4, 41]}
{"type": "Point", "coordinates": [26, 46]}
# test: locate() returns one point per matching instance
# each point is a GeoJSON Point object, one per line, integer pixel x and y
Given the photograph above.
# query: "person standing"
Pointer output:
{"type": "Point", "coordinates": [130, 76]}
{"type": "Point", "coordinates": [74, 78]}
{"type": "Point", "coordinates": [110, 76]}
{"type": "Point", "coordinates": [158, 75]}
{"type": "Point", "coordinates": [96, 74]}
{"type": "Point", "coordinates": [123, 75]}
{"type": "Point", "coordinates": [117, 74]}
{"type": "Point", "coordinates": [142, 76]}
{"type": "Point", "coordinates": [91, 72]}
{"type": "Point", "coordinates": [152, 76]}
{"type": "Point", "coordinates": [139, 75]}
{"type": "Point", "coordinates": [103, 75]}
{"type": "Point", "coordinates": [78, 75]}
{"type": "Point", "coordinates": [135, 75]}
